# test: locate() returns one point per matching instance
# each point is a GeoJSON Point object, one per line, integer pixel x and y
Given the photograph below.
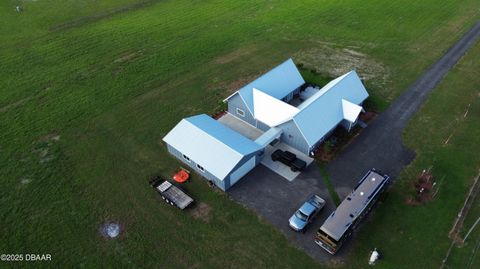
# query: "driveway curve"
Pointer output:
{"type": "Point", "coordinates": [380, 145]}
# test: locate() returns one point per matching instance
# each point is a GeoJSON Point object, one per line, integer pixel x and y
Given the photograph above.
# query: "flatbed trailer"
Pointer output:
{"type": "Point", "coordinates": [172, 194]}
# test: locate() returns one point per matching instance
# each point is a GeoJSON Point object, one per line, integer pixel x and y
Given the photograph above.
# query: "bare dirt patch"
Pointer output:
{"type": "Point", "coordinates": [129, 56]}
{"type": "Point", "coordinates": [15, 104]}
{"type": "Point", "coordinates": [334, 62]}
{"type": "Point", "coordinates": [50, 137]}
{"type": "Point", "coordinates": [201, 211]}
{"type": "Point", "coordinates": [424, 189]}
{"type": "Point", "coordinates": [234, 55]}
{"type": "Point", "coordinates": [100, 16]}
{"type": "Point", "coordinates": [45, 147]}
{"type": "Point", "coordinates": [233, 86]}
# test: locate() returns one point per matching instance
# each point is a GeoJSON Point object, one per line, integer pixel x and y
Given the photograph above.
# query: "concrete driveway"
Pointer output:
{"type": "Point", "coordinates": [280, 168]}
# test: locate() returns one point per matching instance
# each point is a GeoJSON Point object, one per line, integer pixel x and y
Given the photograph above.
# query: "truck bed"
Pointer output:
{"type": "Point", "coordinates": [316, 201]}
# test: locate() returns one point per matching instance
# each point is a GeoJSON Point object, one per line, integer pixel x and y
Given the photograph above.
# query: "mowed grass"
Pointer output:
{"type": "Point", "coordinates": [83, 109]}
{"type": "Point", "coordinates": [467, 255]}
{"type": "Point", "coordinates": [417, 236]}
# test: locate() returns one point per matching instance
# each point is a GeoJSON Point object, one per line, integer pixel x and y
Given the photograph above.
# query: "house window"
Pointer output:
{"type": "Point", "coordinates": [201, 168]}
{"type": "Point", "coordinates": [186, 158]}
{"type": "Point", "coordinates": [240, 112]}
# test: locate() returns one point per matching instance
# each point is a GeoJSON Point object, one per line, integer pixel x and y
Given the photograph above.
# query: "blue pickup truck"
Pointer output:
{"type": "Point", "coordinates": [306, 213]}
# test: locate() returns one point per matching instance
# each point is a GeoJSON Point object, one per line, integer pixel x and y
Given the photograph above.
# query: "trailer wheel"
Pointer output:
{"type": "Point", "coordinates": [166, 200]}
{"type": "Point", "coordinates": [163, 197]}
{"type": "Point", "coordinates": [171, 202]}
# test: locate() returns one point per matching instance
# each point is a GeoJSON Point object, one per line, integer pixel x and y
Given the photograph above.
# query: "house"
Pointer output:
{"type": "Point", "coordinates": [213, 150]}
{"type": "Point", "coordinates": [306, 115]}
{"type": "Point", "coordinates": [280, 106]}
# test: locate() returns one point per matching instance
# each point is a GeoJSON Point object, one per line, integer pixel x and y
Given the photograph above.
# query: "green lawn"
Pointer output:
{"type": "Point", "coordinates": [467, 255]}
{"type": "Point", "coordinates": [89, 88]}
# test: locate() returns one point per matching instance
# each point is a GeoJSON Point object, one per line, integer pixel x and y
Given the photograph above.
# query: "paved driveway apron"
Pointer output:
{"type": "Point", "coordinates": [379, 145]}
{"type": "Point", "coordinates": [275, 199]}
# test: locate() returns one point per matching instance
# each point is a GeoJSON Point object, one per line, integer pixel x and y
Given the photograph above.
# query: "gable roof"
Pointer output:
{"type": "Point", "coordinates": [324, 110]}
{"type": "Point", "coordinates": [350, 110]}
{"type": "Point", "coordinates": [210, 144]}
{"type": "Point", "coordinates": [278, 83]}
{"type": "Point", "coordinates": [270, 110]}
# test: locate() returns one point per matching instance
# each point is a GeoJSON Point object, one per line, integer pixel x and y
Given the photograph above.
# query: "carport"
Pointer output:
{"type": "Point", "coordinates": [279, 167]}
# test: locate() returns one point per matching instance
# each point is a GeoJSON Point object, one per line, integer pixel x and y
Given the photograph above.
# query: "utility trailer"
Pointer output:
{"type": "Point", "coordinates": [172, 194]}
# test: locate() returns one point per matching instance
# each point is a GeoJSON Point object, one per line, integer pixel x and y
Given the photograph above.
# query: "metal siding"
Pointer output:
{"type": "Point", "coordinates": [293, 137]}
{"type": "Point", "coordinates": [193, 166]}
{"type": "Point", "coordinates": [290, 96]}
{"type": "Point", "coordinates": [256, 156]}
{"type": "Point", "coordinates": [262, 126]}
{"type": "Point", "coordinates": [237, 102]}
{"type": "Point", "coordinates": [241, 171]}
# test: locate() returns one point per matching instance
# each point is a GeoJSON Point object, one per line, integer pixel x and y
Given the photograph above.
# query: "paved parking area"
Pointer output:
{"type": "Point", "coordinates": [276, 199]}
{"type": "Point", "coordinates": [279, 167]}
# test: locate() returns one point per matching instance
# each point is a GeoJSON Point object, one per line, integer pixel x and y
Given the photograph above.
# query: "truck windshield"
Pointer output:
{"type": "Point", "coordinates": [300, 215]}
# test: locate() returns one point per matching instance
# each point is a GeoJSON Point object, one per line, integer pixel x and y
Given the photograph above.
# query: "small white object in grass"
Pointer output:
{"type": "Point", "coordinates": [374, 257]}
{"type": "Point", "coordinates": [18, 8]}
{"type": "Point", "coordinates": [112, 230]}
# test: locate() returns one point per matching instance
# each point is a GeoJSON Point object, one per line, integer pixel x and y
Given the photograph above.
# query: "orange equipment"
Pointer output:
{"type": "Point", "coordinates": [181, 176]}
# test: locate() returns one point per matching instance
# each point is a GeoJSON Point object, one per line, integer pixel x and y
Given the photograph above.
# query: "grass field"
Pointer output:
{"type": "Point", "coordinates": [89, 88]}
{"type": "Point", "coordinates": [467, 255]}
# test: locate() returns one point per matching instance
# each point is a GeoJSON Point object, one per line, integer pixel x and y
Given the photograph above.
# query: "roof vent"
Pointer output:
{"type": "Point", "coordinates": [351, 216]}
{"type": "Point", "coordinates": [349, 198]}
{"type": "Point", "coordinates": [361, 193]}
{"type": "Point", "coordinates": [373, 179]}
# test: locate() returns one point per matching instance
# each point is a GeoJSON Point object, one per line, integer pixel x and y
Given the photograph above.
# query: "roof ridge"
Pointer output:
{"type": "Point", "coordinates": [314, 97]}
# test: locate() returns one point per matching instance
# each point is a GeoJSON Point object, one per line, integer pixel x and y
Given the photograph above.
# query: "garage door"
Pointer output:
{"type": "Point", "coordinates": [242, 170]}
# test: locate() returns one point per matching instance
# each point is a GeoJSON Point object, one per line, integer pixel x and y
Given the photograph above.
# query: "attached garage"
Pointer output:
{"type": "Point", "coordinates": [213, 150]}
{"type": "Point", "coordinates": [242, 170]}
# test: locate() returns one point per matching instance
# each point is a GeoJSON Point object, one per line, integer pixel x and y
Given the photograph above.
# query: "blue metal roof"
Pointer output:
{"type": "Point", "coordinates": [278, 83]}
{"type": "Point", "coordinates": [323, 111]}
{"type": "Point", "coordinates": [210, 144]}
{"type": "Point", "coordinates": [267, 137]}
